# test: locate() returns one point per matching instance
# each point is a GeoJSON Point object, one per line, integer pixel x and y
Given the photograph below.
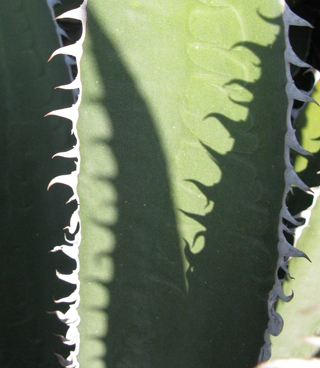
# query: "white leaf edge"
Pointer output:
{"type": "Point", "coordinates": [295, 362]}
{"type": "Point", "coordinates": [285, 249]}
{"type": "Point", "coordinates": [71, 318]}
{"type": "Point", "coordinates": [291, 363]}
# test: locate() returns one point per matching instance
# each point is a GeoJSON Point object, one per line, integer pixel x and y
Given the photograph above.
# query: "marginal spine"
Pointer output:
{"type": "Point", "coordinates": [72, 242]}
{"type": "Point", "coordinates": [285, 249]}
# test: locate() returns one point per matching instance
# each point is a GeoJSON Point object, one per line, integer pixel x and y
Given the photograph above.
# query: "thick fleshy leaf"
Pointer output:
{"type": "Point", "coordinates": [186, 147]}
{"type": "Point", "coordinates": [179, 93]}
{"type": "Point", "coordinates": [31, 219]}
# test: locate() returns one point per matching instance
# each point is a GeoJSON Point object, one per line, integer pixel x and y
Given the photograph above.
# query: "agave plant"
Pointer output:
{"type": "Point", "coordinates": [192, 122]}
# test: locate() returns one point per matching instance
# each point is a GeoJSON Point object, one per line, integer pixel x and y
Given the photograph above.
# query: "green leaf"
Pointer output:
{"type": "Point", "coordinates": [182, 129]}
{"type": "Point", "coordinates": [184, 151]}
{"type": "Point", "coordinates": [31, 219]}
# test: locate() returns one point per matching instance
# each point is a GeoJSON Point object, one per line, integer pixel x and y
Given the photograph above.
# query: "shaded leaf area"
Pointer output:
{"type": "Point", "coordinates": [145, 314]}
{"type": "Point", "coordinates": [231, 276]}
{"type": "Point", "coordinates": [31, 219]}
{"type": "Point", "coordinates": [229, 279]}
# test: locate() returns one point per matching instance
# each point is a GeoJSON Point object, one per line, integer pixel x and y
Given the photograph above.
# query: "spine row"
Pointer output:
{"type": "Point", "coordinates": [72, 231]}
{"type": "Point", "coordinates": [285, 249]}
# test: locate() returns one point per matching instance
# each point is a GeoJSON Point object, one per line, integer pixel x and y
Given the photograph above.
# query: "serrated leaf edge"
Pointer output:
{"type": "Point", "coordinates": [285, 249]}
{"type": "Point", "coordinates": [71, 247]}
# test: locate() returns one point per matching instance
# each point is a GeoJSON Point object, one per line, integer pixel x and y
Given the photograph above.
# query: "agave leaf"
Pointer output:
{"type": "Point", "coordinates": [31, 219]}
{"type": "Point", "coordinates": [182, 130]}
